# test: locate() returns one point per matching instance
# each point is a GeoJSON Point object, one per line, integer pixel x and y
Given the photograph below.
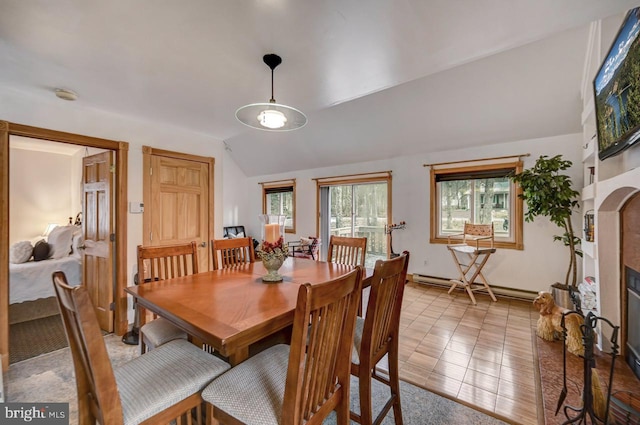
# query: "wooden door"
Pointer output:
{"type": "Point", "coordinates": [178, 206]}
{"type": "Point", "coordinates": [97, 178]}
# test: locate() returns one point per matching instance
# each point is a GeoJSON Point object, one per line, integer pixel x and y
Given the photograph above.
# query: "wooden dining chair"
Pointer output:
{"type": "Point", "coordinates": [160, 263]}
{"type": "Point", "coordinates": [159, 386]}
{"type": "Point", "coordinates": [303, 382]}
{"type": "Point", "coordinates": [345, 250]}
{"type": "Point", "coordinates": [229, 253]}
{"type": "Point", "coordinates": [376, 335]}
{"type": "Point", "coordinates": [349, 251]}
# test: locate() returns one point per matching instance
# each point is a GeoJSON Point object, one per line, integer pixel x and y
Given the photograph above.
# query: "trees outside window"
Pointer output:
{"type": "Point", "coordinates": [279, 198]}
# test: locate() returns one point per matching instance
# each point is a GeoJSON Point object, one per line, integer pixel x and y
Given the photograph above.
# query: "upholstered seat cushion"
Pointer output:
{"type": "Point", "coordinates": [162, 377]}
{"type": "Point", "coordinates": [160, 331]}
{"type": "Point", "coordinates": [357, 340]}
{"type": "Point", "coordinates": [253, 391]}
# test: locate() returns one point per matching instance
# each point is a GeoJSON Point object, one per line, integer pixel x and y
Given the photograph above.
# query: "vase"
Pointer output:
{"type": "Point", "coordinates": [272, 265]}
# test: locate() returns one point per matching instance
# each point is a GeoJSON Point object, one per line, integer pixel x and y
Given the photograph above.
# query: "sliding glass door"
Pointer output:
{"type": "Point", "coordinates": [356, 210]}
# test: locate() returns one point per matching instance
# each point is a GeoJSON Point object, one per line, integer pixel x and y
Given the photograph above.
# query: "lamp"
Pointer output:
{"type": "Point", "coordinates": [271, 116]}
{"type": "Point", "coordinates": [49, 228]}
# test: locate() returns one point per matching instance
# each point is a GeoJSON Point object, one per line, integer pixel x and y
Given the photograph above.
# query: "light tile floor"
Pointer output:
{"type": "Point", "coordinates": [480, 355]}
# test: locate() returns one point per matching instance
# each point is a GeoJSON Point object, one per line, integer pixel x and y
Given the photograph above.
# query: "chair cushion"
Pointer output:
{"type": "Point", "coordinates": [253, 391]}
{"type": "Point", "coordinates": [163, 377]}
{"type": "Point", "coordinates": [160, 331]}
{"type": "Point", "coordinates": [357, 341]}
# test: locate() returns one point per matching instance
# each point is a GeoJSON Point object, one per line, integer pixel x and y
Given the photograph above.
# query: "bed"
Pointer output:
{"type": "Point", "coordinates": [30, 267]}
{"type": "Point", "coordinates": [32, 280]}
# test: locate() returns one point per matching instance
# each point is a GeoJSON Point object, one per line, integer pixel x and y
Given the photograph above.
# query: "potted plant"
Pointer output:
{"type": "Point", "coordinates": [549, 192]}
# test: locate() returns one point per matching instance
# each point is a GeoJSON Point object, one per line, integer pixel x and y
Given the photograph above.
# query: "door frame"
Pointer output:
{"type": "Point", "coordinates": [121, 150]}
{"type": "Point", "coordinates": [353, 179]}
{"type": "Point", "coordinates": [147, 153]}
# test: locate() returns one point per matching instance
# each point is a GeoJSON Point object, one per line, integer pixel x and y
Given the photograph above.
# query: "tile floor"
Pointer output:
{"type": "Point", "coordinates": [481, 355]}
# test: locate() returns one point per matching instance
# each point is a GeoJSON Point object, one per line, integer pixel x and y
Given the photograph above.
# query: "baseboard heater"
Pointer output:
{"type": "Point", "coordinates": [498, 290]}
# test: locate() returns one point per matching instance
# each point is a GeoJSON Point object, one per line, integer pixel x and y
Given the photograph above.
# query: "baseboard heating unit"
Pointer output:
{"type": "Point", "coordinates": [498, 290]}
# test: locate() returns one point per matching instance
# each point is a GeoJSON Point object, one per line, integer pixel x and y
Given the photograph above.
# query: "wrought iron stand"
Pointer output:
{"type": "Point", "coordinates": [586, 414]}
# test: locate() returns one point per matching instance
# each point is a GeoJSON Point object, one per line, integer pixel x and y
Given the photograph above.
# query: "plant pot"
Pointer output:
{"type": "Point", "coordinates": [563, 295]}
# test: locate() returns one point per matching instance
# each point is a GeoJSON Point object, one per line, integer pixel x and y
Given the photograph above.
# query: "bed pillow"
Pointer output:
{"type": "Point", "coordinates": [40, 251]}
{"type": "Point", "coordinates": [60, 241]}
{"type": "Point", "coordinates": [20, 252]}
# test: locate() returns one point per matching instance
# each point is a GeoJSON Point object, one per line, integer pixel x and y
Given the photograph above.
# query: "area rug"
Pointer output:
{"type": "Point", "coordinates": [50, 378]}
{"type": "Point", "coordinates": [35, 337]}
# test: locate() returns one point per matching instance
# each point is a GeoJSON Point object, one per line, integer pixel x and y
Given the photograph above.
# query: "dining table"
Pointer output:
{"type": "Point", "coordinates": [231, 309]}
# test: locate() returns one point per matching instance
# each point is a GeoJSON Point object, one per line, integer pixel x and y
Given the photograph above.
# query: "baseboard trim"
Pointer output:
{"type": "Point", "coordinates": [500, 291]}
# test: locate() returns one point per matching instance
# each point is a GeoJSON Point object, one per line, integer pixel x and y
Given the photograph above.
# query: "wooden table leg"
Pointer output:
{"type": "Point", "coordinates": [238, 356]}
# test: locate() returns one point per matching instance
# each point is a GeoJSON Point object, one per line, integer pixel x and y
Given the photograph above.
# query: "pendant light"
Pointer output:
{"type": "Point", "coordinates": [271, 116]}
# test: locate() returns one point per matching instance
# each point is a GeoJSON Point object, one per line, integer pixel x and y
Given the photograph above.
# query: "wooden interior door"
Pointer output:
{"type": "Point", "coordinates": [98, 265]}
{"type": "Point", "coordinates": [178, 207]}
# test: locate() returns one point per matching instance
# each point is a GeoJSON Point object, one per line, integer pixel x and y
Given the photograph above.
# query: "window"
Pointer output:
{"type": "Point", "coordinates": [477, 194]}
{"type": "Point", "coordinates": [279, 198]}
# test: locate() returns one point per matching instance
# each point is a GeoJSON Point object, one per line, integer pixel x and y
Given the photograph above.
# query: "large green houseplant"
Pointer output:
{"type": "Point", "coordinates": [548, 192]}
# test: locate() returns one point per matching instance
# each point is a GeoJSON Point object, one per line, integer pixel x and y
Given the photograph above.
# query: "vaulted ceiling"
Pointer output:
{"type": "Point", "coordinates": [376, 78]}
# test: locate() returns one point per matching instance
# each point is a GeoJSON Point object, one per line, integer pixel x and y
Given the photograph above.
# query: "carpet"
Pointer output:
{"type": "Point", "coordinates": [50, 378]}
{"type": "Point", "coordinates": [35, 337]}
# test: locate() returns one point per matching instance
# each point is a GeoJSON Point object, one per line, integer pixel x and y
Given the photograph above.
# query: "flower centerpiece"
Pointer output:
{"type": "Point", "coordinates": [272, 250]}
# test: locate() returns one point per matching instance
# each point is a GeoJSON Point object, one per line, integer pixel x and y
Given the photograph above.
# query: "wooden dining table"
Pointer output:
{"type": "Point", "coordinates": [231, 309]}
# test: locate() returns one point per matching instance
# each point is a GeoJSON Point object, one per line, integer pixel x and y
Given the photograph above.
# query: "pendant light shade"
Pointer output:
{"type": "Point", "coordinates": [271, 116]}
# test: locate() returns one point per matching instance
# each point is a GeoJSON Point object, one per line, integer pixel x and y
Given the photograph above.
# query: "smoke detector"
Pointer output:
{"type": "Point", "coordinates": [66, 94]}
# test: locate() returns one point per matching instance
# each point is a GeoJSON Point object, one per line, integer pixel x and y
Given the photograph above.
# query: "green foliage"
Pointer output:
{"type": "Point", "coordinates": [549, 193]}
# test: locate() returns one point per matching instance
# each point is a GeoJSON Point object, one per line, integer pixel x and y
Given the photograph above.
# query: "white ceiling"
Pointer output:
{"type": "Point", "coordinates": [376, 78]}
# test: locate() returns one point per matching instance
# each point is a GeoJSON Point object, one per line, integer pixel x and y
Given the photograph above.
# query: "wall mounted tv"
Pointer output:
{"type": "Point", "coordinates": [617, 90]}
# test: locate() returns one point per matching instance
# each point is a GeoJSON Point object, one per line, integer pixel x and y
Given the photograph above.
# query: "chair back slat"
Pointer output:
{"type": "Point", "coordinates": [167, 262]}
{"type": "Point", "coordinates": [320, 356]}
{"type": "Point", "coordinates": [98, 397]}
{"type": "Point", "coordinates": [229, 253]}
{"type": "Point", "coordinates": [345, 250]}
{"type": "Point", "coordinates": [383, 310]}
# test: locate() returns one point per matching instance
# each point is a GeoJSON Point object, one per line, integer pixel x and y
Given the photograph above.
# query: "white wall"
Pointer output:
{"type": "Point", "coordinates": [79, 117]}
{"type": "Point", "coordinates": [541, 263]}
{"type": "Point", "coordinates": [40, 192]}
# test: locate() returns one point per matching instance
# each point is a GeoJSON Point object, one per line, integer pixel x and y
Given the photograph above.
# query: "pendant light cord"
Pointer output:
{"type": "Point", "coordinates": [272, 99]}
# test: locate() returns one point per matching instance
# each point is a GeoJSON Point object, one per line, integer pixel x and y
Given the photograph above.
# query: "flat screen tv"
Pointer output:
{"type": "Point", "coordinates": [617, 91]}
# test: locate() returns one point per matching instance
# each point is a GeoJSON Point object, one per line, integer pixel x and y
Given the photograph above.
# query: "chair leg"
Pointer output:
{"type": "Point", "coordinates": [143, 345]}
{"type": "Point", "coordinates": [342, 410]}
{"type": "Point", "coordinates": [394, 381]}
{"type": "Point", "coordinates": [364, 384]}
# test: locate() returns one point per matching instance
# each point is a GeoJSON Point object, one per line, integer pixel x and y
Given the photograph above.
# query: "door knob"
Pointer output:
{"type": "Point", "coordinates": [203, 244]}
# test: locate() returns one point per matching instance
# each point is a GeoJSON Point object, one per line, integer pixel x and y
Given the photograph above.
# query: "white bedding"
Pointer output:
{"type": "Point", "coordinates": [32, 280]}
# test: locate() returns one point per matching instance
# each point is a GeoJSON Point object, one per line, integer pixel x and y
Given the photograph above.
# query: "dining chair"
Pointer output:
{"type": "Point", "coordinates": [156, 387]}
{"type": "Point", "coordinates": [229, 253]}
{"type": "Point", "coordinates": [349, 251]}
{"type": "Point", "coordinates": [376, 335]}
{"type": "Point", "coordinates": [160, 263]}
{"type": "Point", "coordinates": [346, 250]}
{"type": "Point", "coordinates": [302, 382]}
